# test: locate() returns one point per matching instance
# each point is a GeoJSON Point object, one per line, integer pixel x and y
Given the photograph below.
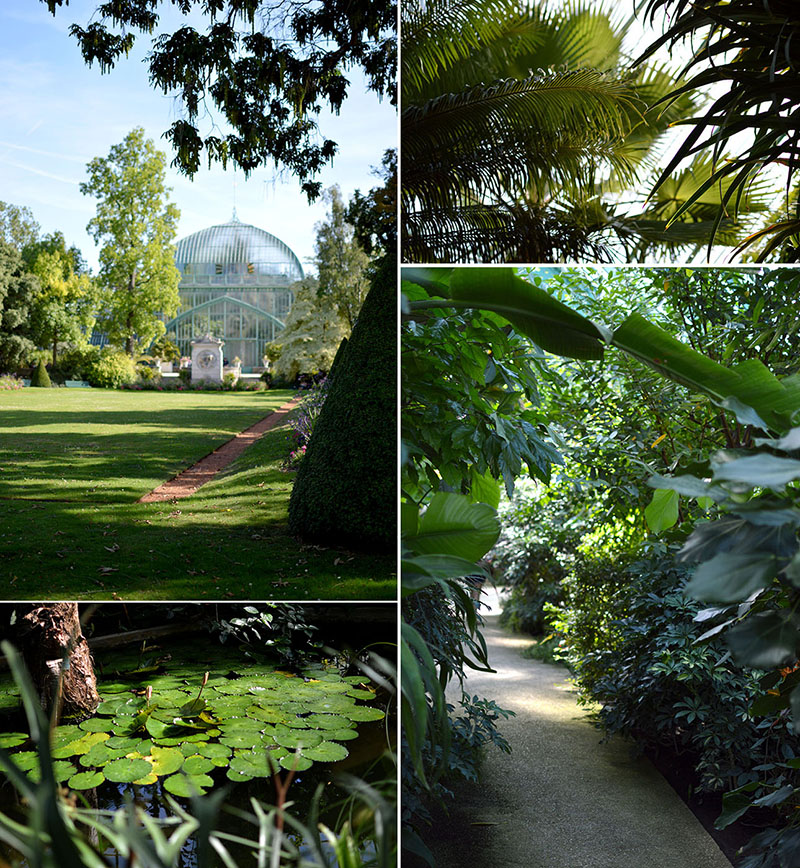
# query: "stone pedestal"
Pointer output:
{"type": "Point", "coordinates": [207, 359]}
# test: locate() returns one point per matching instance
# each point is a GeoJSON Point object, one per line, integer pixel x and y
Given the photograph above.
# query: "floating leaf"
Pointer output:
{"type": "Point", "coordinates": [325, 752]}
{"type": "Point", "coordinates": [147, 780]}
{"type": "Point", "coordinates": [295, 762]}
{"type": "Point", "coordinates": [97, 724]}
{"type": "Point", "coordinates": [13, 739]}
{"type": "Point", "coordinates": [166, 760]}
{"type": "Point", "coordinates": [197, 765]}
{"type": "Point", "coordinates": [364, 712]}
{"type": "Point", "coordinates": [126, 770]}
{"type": "Point", "coordinates": [86, 780]}
{"type": "Point", "coordinates": [293, 738]}
{"type": "Point", "coordinates": [187, 785]}
{"type": "Point", "coordinates": [328, 721]}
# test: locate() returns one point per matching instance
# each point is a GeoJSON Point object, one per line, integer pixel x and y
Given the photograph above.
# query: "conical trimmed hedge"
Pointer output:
{"type": "Point", "coordinates": [345, 491]}
{"type": "Point", "coordinates": [41, 377]}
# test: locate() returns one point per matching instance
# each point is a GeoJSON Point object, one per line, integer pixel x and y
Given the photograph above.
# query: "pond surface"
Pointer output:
{"type": "Point", "coordinates": [193, 717]}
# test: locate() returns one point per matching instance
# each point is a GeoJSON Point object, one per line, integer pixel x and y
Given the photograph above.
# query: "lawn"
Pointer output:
{"type": "Point", "coordinates": [73, 529]}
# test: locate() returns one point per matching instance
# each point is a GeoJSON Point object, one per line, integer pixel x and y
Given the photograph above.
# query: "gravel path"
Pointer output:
{"type": "Point", "coordinates": [561, 799]}
{"type": "Point", "coordinates": [189, 480]}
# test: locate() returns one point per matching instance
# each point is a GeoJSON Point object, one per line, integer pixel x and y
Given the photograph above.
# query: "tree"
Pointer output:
{"type": "Point", "coordinates": [268, 68]}
{"type": "Point", "coordinates": [18, 288]}
{"type": "Point", "coordinates": [312, 333]}
{"type": "Point", "coordinates": [523, 141]}
{"type": "Point", "coordinates": [63, 310]}
{"type": "Point", "coordinates": [341, 262]}
{"type": "Point", "coordinates": [137, 224]}
{"type": "Point", "coordinates": [17, 226]}
{"type": "Point", "coordinates": [374, 214]}
{"type": "Point", "coordinates": [743, 52]}
{"type": "Point", "coordinates": [58, 659]}
{"type": "Point", "coordinates": [345, 490]}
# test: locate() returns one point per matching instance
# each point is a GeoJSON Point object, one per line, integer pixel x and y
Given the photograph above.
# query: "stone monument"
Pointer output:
{"type": "Point", "coordinates": [207, 359]}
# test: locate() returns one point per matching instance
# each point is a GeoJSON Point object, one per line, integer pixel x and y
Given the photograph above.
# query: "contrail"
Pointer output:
{"type": "Point", "coordinates": [42, 153]}
{"type": "Point", "coordinates": [39, 172]}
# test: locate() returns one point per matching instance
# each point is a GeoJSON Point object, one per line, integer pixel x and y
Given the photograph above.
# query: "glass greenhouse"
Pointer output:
{"type": "Point", "coordinates": [235, 282]}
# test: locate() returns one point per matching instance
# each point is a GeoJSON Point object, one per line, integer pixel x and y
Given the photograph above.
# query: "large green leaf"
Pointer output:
{"type": "Point", "coordinates": [731, 578]}
{"type": "Point", "coordinates": [764, 640]}
{"type": "Point", "coordinates": [662, 511]}
{"type": "Point", "coordinates": [776, 401]}
{"type": "Point", "coordinates": [548, 322]}
{"type": "Point", "coordinates": [451, 525]}
{"type": "Point", "coordinates": [764, 471]}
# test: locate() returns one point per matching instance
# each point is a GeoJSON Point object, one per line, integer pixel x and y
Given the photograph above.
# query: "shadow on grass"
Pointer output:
{"type": "Point", "coordinates": [229, 540]}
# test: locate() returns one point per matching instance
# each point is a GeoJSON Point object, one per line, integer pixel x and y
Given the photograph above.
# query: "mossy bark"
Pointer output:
{"type": "Point", "coordinates": [345, 493]}
{"type": "Point", "coordinates": [58, 659]}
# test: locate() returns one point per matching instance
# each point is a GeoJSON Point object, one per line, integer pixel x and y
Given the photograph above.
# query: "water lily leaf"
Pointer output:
{"type": "Point", "coordinates": [270, 714]}
{"type": "Point", "coordinates": [13, 739]}
{"type": "Point", "coordinates": [147, 780]}
{"type": "Point", "coordinates": [341, 734]}
{"type": "Point", "coordinates": [126, 770]}
{"type": "Point", "coordinates": [193, 708]}
{"type": "Point", "coordinates": [213, 751]}
{"type": "Point", "coordinates": [187, 785]}
{"type": "Point", "coordinates": [97, 724]}
{"type": "Point", "coordinates": [25, 759]}
{"type": "Point", "coordinates": [364, 712]}
{"type": "Point", "coordinates": [166, 760]}
{"type": "Point", "coordinates": [86, 780]}
{"type": "Point", "coordinates": [296, 762]}
{"type": "Point", "coordinates": [293, 738]}
{"type": "Point", "coordinates": [63, 770]}
{"type": "Point", "coordinates": [197, 765]}
{"type": "Point", "coordinates": [243, 740]}
{"type": "Point", "coordinates": [124, 742]}
{"type": "Point", "coordinates": [81, 745]}
{"type": "Point", "coordinates": [159, 730]}
{"type": "Point", "coordinates": [238, 776]}
{"type": "Point", "coordinates": [358, 693]}
{"type": "Point", "coordinates": [109, 706]}
{"type": "Point", "coordinates": [63, 735]}
{"type": "Point", "coordinates": [325, 752]}
{"type": "Point", "coordinates": [328, 721]}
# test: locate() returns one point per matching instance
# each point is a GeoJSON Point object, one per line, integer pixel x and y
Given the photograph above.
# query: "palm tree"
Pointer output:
{"type": "Point", "coordinates": [521, 136]}
{"type": "Point", "coordinates": [746, 52]}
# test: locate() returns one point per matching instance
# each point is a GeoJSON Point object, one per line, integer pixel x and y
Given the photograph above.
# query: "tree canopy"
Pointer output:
{"type": "Point", "coordinates": [267, 68]}
{"type": "Point", "coordinates": [137, 224]}
{"type": "Point", "coordinates": [18, 287]}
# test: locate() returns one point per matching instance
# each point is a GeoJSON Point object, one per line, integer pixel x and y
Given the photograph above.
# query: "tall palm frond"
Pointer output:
{"type": "Point", "coordinates": [749, 52]}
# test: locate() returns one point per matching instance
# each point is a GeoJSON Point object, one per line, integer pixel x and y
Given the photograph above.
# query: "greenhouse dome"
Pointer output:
{"type": "Point", "coordinates": [234, 285]}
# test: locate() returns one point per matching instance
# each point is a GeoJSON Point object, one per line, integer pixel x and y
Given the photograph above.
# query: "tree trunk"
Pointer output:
{"type": "Point", "coordinates": [58, 659]}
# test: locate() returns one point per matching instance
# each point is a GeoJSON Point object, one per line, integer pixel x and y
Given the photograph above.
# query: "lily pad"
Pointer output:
{"type": "Point", "coordinates": [187, 785]}
{"type": "Point", "coordinates": [328, 721]}
{"type": "Point", "coordinates": [295, 738]}
{"type": "Point", "coordinates": [147, 780]}
{"type": "Point", "coordinates": [166, 760]}
{"type": "Point", "coordinates": [197, 765]}
{"type": "Point", "coordinates": [325, 752]}
{"type": "Point", "coordinates": [86, 780]}
{"type": "Point", "coordinates": [126, 770]}
{"type": "Point", "coordinates": [364, 712]}
{"type": "Point", "coordinates": [97, 724]}
{"type": "Point", "coordinates": [295, 762]}
{"type": "Point", "coordinates": [119, 742]}
{"type": "Point", "coordinates": [13, 739]}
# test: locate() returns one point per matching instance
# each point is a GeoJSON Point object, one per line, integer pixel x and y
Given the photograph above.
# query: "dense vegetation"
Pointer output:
{"type": "Point", "coordinates": [654, 547]}
{"type": "Point", "coordinates": [545, 133]}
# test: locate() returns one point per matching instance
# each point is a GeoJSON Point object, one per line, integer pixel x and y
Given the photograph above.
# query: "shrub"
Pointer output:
{"type": "Point", "coordinates": [8, 383]}
{"type": "Point", "coordinates": [147, 374]}
{"type": "Point", "coordinates": [229, 380]}
{"type": "Point", "coordinates": [112, 370]}
{"type": "Point", "coordinates": [345, 490]}
{"type": "Point", "coordinates": [41, 377]}
{"type": "Point", "coordinates": [74, 363]}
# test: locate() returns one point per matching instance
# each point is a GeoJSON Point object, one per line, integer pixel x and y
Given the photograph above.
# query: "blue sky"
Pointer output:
{"type": "Point", "coordinates": [56, 114]}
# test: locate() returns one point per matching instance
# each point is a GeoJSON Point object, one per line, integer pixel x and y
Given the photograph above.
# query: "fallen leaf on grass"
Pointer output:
{"type": "Point", "coordinates": [104, 571]}
{"type": "Point", "coordinates": [279, 584]}
{"type": "Point", "coordinates": [175, 513]}
{"type": "Point", "coordinates": [112, 549]}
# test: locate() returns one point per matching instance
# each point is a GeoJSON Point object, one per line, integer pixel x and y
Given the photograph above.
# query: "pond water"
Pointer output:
{"type": "Point", "coordinates": [194, 717]}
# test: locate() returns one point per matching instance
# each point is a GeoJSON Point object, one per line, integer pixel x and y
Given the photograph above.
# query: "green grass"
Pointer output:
{"type": "Point", "coordinates": [102, 445]}
{"type": "Point", "coordinates": [85, 537]}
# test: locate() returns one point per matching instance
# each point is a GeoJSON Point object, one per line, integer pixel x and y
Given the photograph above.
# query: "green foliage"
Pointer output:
{"type": "Point", "coordinates": [345, 492]}
{"type": "Point", "coordinates": [262, 68]}
{"type": "Point", "coordinates": [165, 349]}
{"type": "Point", "coordinates": [18, 226]}
{"type": "Point", "coordinates": [75, 362]}
{"type": "Point", "coordinates": [40, 376]}
{"type": "Point", "coordinates": [524, 141]}
{"type": "Point", "coordinates": [112, 369]}
{"type": "Point", "coordinates": [136, 224]}
{"type": "Point", "coordinates": [313, 330]}
{"type": "Point", "coordinates": [742, 54]}
{"type": "Point", "coordinates": [341, 261]}
{"type": "Point", "coordinates": [17, 290]}
{"type": "Point", "coordinates": [64, 308]}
